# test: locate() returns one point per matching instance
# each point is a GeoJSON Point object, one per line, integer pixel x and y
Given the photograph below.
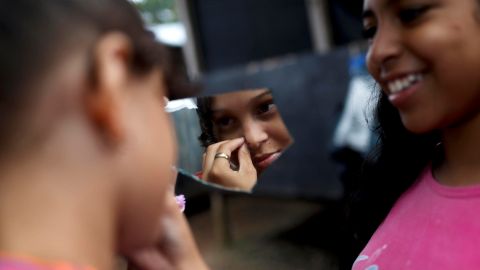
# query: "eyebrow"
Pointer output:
{"type": "Point", "coordinates": [367, 14]}
{"type": "Point", "coordinates": [259, 96]}
{"type": "Point", "coordinates": [252, 100]}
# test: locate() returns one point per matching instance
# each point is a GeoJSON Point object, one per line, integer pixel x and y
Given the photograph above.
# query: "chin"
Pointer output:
{"type": "Point", "coordinates": [418, 126]}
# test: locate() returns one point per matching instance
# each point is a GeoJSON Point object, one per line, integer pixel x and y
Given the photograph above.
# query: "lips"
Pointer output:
{"type": "Point", "coordinates": [401, 86]}
{"type": "Point", "coordinates": [403, 83]}
{"type": "Point", "coordinates": [265, 160]}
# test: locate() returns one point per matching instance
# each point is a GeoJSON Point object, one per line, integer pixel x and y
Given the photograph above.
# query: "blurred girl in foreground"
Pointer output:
{"type": "Point", "coordinates": [87, 149]}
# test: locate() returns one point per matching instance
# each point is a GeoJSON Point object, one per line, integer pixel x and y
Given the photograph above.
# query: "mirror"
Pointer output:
{"type": "Point", "coordinates": [229, 140]}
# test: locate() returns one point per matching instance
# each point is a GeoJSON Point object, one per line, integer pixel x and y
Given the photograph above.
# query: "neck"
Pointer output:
{"type": "Point", "coordinates": [461, 165]}
{"type": "Point", "coordinates": [44, 215]}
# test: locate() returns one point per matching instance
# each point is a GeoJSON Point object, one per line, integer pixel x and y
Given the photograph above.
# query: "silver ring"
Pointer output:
{"type": "Point", "coordinates": [222, 155]}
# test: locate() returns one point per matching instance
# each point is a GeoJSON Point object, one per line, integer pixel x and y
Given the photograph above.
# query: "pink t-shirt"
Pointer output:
{"type": "Point", "coordinates": [431, 226]}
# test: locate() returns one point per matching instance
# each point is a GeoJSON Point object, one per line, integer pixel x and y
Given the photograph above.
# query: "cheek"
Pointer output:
{"type": "Point", "coordinates": [451, 50]}
{"type": "Point", "coordinates": [371, 66]}
{"type": "Point", "coordinates": [278, 133]}
{"type": "Point", "coordinates": [150, 153]}
{"type": "Point", "coordinates": [445, 43]}
{"type": "Point", "coordinates": [164, 148]}
{"type": "Point", "coordinates": [230, 135]}
{"type": "Point", "coordinates": [171, 144]}
{"type": "Point", "coordinates": [158, 154]}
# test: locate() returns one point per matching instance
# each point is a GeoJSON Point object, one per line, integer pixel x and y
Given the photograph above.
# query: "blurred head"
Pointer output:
{"type": "Point", "coordinates": [249, 114]}
{"type": "Point", "coordinates": [426, 58]}
{"type": "Point", "coordinates": [87, 72]}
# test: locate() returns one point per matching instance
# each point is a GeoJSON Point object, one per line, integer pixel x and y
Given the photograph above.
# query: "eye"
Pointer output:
{"type": "Point", "coordinates": [265, 108]}
{"type": "Point", "coordinates": [369, 20]}
{"type": "Point", "coordinates": [412, 14]}
{"type": "Point", "coordinates": [225, 125]}
{"type": "Point", "coordinates": [224, 121]}
{"type": "Point", "coordinates": [369, 32]}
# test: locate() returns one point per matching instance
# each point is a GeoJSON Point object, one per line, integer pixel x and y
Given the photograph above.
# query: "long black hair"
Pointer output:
{"type": "Point", "coordinates": [393, 166]}
{"type": "Point", "coordinates": [204, 112]}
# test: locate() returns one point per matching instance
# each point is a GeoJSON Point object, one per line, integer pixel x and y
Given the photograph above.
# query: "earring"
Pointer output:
{"type": "Point", "coordinates": [437, 154]}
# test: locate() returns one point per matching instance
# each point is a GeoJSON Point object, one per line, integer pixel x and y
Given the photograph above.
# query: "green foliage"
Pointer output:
{"type": "Point", "coordinates": [157, 11]}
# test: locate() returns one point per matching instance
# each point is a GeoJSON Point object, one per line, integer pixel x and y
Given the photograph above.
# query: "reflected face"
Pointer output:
{"type": "Point", "coordinates": [425, 55]}
{"type": "Point", "coordinates": [254, 116]}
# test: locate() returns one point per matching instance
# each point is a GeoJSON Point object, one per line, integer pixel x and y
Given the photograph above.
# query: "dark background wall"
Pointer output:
{"type": "Point", "coordinates": [232, 32]}
{"type": "Point", "coordinates": [345, 17]}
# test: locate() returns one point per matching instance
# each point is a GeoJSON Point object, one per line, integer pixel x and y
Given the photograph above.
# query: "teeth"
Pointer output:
{"type": "Point", "coordinates": [399, 85]}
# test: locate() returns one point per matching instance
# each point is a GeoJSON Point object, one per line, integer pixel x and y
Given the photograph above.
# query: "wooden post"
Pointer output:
{"type": "Point", "coordinates": [221, 219]}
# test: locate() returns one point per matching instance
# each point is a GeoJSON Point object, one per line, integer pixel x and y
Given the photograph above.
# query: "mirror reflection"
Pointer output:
{"type": "Point", "coordinates": [238, 136]}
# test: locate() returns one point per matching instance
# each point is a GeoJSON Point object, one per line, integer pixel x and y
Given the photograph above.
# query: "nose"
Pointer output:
{"type": "Point", "coordinates": [255, 134]}
{"type": "Point", "coordinates": [384, 50]}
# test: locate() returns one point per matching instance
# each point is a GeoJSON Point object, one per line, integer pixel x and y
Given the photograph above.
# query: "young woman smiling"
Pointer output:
{"type": "Point", "coordinates": [417, 203]}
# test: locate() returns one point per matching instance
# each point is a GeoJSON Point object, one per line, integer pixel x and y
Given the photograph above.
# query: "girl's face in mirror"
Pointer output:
{"type": "Point", "coordinates": [425, 55]}
{"type": "Point", "coordinates": [254, 116]}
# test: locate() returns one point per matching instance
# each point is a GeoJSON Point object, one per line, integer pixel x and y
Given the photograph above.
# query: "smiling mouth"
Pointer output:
{"type": "Point", "coordinates": [266, 160]}
{"type": "Point", "coordinates": [401, 84]}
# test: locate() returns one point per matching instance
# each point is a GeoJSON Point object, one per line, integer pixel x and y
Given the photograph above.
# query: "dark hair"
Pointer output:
{"type": "Point", "coordinates": [204, 112]}
{"type": "Point", "coordinates": [34, 35]}
{"type": "Point", "coordinates": [393, 166]}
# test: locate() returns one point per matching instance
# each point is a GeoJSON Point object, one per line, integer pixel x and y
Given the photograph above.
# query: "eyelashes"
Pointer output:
{"type": "Point", "coordinates": [227, 122]}
{"type": "Point", "coordinates": [410, 15]}
{"type": "Point", "coordinates": [369, 33]}
{"type": "Point", "coordinates": [265, 108]}
{"type": "Point", "coordinates": [224, 122]}
{"type": "Point", "coordinates": [407, 16]}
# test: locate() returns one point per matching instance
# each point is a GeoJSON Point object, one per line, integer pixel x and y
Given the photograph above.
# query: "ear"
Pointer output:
{"type": "Point", "coordinates": [111, 58]}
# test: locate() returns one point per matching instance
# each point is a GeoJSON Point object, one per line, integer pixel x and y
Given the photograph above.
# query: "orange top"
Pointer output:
{"type": "Point", "coordinates": [15, 262]}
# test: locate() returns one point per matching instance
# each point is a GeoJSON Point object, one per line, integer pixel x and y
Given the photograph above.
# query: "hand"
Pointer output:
{"type": "Point", "coordinates": [219, 170]}
{"type": "Point", "coordinates": [176, 248]}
